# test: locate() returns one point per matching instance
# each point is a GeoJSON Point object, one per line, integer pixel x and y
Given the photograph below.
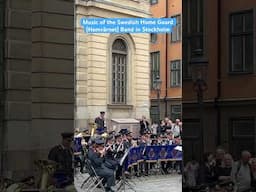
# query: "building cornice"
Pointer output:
{"type": "Point", "coordinates": [115, 7]}
{"type": "Point", "coordinates": [223, 102]}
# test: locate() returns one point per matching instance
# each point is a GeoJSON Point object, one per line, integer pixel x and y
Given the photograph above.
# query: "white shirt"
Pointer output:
{"type": "Point", "coordinates": [241, 177]}
{"type": "Point", "coordinates": [176, 130]}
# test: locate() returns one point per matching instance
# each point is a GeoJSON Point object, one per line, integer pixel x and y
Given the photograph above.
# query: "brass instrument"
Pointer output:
{"type": "Point", "coordinates": [93, 127]}
{"type": "Point", "coordinates": [46, 168]}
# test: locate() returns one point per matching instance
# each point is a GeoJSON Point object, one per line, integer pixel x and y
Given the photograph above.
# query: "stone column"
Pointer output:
{"type": "Point", "coordinates": [17, 119]}
{"type": "Point", "coordinates": [52, 73]}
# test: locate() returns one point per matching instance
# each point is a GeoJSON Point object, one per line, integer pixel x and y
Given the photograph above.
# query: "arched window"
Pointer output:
{"type": "Point", "coordinates": [119, 72]}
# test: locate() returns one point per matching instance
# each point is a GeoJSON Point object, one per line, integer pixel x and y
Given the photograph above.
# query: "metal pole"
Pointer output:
{"type": "Point", "coordinates": [158, 108]}
{"type": "Point", "coordinates": [201, 115]}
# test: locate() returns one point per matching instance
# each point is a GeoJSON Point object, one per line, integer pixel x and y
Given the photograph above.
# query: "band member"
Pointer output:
{"type": "Point", "coordinates": [129, 138]}
{"type": "Point", "coordinates": [126, 138]}
{"type": "Point", "coordinates": [96, 156]}
{"type": "Point", "coordinates": [119, 146]}
{"type": "Point", "coordinates": [143, 143]}
{"type": "Point", "coordinates": [100, 121]}
{"type": "Point", "coordinates": [154, 140]}
{"type": "Point", "coordinates": [119, 150]}
{"type": "Point", "coordinates": [78, 151]}
{"type": "Point", "coordinates": [110, 160]}
{"type": "Point", "coordinates": [63, 155]}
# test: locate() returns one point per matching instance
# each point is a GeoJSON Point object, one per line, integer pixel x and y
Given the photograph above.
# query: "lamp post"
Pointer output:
{"type": "Point", "coordinates": [199, 74]}
{"type": "Point", "coordinates": [157, 86]}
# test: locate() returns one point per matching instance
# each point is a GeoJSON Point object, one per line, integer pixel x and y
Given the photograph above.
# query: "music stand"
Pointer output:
{"type": "Point", "coordinates": [124, 181]}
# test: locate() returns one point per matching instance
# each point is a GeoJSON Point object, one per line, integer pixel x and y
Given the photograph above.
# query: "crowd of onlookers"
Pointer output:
{"type": "Point", "coordinates": [164, 127]}
{"type": "Point", "coordinates": [219, 168]}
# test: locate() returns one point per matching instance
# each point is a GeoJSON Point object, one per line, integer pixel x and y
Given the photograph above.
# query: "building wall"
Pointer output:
{"type": "Point", "coordinates": [236, 98]}
{"type": "Point", "coordinates": [93, 64]}
{"type": "Point", "coordinates": [245, 84]}
{"type": "Point", "coordinates": [38, 81]}
{"type": "Point", "coordinates": [168, 95]}
{"type": "Point", "coordinates": [18, 104]}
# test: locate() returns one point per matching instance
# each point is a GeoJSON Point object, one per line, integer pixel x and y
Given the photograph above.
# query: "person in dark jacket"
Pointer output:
{"type": "Point", "coordinates": [63, 155]}
{"type": "Point", "coordinates": [207, 170]}
{"type": "Point", "coordinates": [100, 121]}
{"type": "Point", "coordinates": [96, 156]}
{"type": "Point", "coordinates": [144, 125]}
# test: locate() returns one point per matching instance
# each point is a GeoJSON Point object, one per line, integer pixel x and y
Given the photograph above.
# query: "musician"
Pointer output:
{"type": "Point", "coordinates": [126, 137]}
{"type": "Point", "coordinates": [119, 150]}
{"type": "Point", "coordinates": [119, 146]}
{"type": "Point", "coordinates": [100, 131]}
{"type": "Point", "coordinates": [96, 156]}
{"type": "Point", "coordinates": [129, 138]}
{"type": "Point", "coordinates": [154, 141]}
{"type": "Point", "coordinates": [110, 161]}
{"type": "Point", "coordinates": [170, 138]}
{"type": "Point", "coordinates": [78, 150]}
{"type": "Point", "coordinates": [63, 155]}
{"type": "Point", "coordinates": [164, 140]}
{"type": "Point", "coordinates": [144, 143]}
{"type": "Point", "coordinates": [128, 143]}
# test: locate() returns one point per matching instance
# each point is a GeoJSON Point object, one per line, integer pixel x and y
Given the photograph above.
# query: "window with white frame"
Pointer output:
{"type": "Point", "coordinates": [153, 37]}
{"type": "Point", "coordinates": [154, 115]}
{"type": "Point", "coordinates": [154, 66]}
{"type": "Point", "coordinates": [175, 73]}
{"type": "Point", "coordinates": [176, 31]}
{"type": "Point", "coordinates": [153, 2]}
{"type": "Point", "coordinates": [175, 112]}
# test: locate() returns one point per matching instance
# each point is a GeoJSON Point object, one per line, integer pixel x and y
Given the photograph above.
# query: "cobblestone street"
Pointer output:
{"type": "Point", "coordinates": [160, 183]}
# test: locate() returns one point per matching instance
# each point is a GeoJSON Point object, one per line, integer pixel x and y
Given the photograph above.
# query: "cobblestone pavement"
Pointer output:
{"type": "Point", "coordinates": [160, 183]}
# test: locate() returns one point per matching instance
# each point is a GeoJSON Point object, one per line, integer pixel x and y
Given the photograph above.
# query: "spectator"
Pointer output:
{"type": "Point", "coordinates": [144, 125]}
{"type": "Point", "coordinates": [241, 174]}
{"type": "Point", "coordinates": [154, 128]}
{"type": "Point", "coordinates": [191, 173]}
{"type": "Point", "coordinates": [220, 153]}
{"type": "Point", "coordinates": [206, 171]}
{"type": "Point", "coordinates": [176, 128]}
{"type": "Point", "coordinates": [223, 173]}
{"type": "Point", "coordinates": [253, 171]}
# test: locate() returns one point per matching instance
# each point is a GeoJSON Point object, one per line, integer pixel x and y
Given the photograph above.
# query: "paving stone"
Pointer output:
{"type": "Point", "coordinates": [161, 183]}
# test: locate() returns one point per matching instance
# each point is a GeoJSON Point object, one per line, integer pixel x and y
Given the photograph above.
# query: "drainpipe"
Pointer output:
{"type": "Point", "coordinates": [166, 59]}
{"type": "Point", "coordinates": [2, 87]}
{"type": "Point", "coordinates": [218, 140]}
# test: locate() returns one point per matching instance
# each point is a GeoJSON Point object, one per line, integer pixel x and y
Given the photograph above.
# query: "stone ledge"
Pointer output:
{"type": "Point", "coordinates": [119, 106]}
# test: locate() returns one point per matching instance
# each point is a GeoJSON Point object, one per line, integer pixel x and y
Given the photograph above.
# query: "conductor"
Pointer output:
{"type": "Point", "coordinates": [96, 156]}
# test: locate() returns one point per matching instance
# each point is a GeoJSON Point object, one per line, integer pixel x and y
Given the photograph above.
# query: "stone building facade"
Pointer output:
{"type": "Point", "coordinates": [166, 62]}
{"type": "Point", "coordinates": [98, 54]}
{"type": "Point", "coordinates": [37, 80]}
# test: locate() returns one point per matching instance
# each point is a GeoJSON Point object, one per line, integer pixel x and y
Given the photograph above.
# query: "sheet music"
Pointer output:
{"type": "Point", "coordinates": [178, 148]}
